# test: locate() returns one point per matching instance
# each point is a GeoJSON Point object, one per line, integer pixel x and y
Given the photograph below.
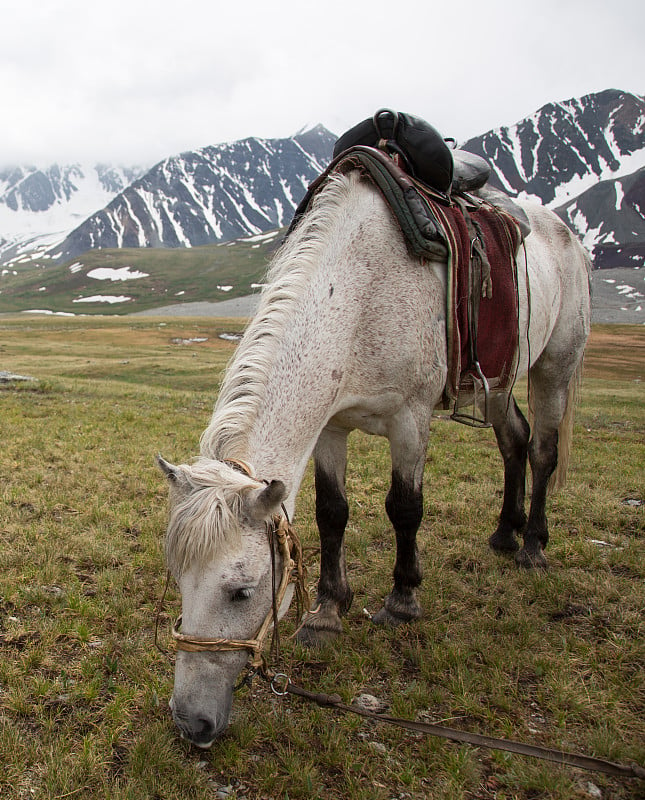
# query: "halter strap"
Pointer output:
{"type": "Point", "coordinates": [293, 571]}
{"type": "Point", "coordinates": [239, 466]}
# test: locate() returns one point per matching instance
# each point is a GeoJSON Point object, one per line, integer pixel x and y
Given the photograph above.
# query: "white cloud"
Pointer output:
{"type": "Point", "coordinates": [138, 80]}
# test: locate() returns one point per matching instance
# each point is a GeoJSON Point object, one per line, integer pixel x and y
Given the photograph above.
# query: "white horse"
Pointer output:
{"type": "Point", "coordinates": [351, 333]}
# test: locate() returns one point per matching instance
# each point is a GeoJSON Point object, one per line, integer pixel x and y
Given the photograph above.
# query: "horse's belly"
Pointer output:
{"type": "Point", "coordinates": [369, 414]}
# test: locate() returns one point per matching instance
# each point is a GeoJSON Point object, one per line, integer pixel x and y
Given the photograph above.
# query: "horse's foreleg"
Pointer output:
{"type": "Point", "coordinates": [512, 432]}
{"type": "Point", "coordinates": [404, 506]}
{"type": "Point", "coordinates": [334, 594]}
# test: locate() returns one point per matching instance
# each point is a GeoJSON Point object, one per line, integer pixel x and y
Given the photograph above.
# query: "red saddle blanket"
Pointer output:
{"type": "Point", "coordinates": [492, 335]}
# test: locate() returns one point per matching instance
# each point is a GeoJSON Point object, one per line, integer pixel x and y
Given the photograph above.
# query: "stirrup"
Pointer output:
{"type": "Point", "coordinates": [473, 420]}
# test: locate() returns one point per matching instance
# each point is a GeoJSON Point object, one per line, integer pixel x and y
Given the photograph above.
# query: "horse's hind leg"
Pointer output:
{"type": "Point", "coordinates": [404, 506]}
{"type": "Point", "coordinates": [553, 386]}
{"type": "Point", "coordinates": [334, 594]}
{"type": "Point", "coordinates": [512, 432]}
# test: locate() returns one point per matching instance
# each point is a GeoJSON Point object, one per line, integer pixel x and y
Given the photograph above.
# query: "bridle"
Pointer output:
{"type": "Point", "coordinates": [280, 532]}
{"type": "Point", "coordinates": [282, 536]}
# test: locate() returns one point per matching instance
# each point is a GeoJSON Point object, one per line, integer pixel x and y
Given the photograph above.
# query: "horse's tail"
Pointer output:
{"type": "Point", "coordinates": [565, 432]}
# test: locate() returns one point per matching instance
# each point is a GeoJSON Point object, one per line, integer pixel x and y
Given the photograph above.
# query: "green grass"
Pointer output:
{"type": "Point", "coordinates": [555, 658]}
{"type": "Point", "coordinates": [180, 275]}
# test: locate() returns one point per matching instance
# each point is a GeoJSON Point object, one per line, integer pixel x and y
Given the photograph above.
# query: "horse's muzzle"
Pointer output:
{"type": "Point", "coordinates": [198, 729]}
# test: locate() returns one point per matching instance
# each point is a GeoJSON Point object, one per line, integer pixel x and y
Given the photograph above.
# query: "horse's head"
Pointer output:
{"type": "Point", "coordinates": [218, 551]}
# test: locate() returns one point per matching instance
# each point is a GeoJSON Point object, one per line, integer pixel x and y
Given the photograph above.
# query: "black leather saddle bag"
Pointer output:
{"type": "Point", "coordinates": [424, 152]}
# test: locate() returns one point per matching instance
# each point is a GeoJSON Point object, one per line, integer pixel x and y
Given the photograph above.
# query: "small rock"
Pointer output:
{"type": "Point", "coordinates": [370, 703]}
{"type": "Point", "coordinates": [8, 377]}
{"type": "Point", "coordinates": [54, 590]}
{"type": "Point", "coordinates": [593, 790]}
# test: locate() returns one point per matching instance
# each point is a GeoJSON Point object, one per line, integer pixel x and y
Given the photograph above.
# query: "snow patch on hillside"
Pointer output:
{"type": "Point", "coordinates": [121, 274]}
{"type": "Point", "coordinates": [102, 298]}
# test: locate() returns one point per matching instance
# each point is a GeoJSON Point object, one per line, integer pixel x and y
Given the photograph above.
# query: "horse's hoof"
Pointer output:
{"type": "Point", "coordinates": [397, 611]}
{"type": "Point", "coordinates": [383, 617]}
{"type": "Point", "coordinates": [316, 637]}
{"type": "Point", "coordinates": [504, 542]}
{"type": "Point", "coordinates": [528, 560]}
{"type": "Point", "coordinates": [321, 627]}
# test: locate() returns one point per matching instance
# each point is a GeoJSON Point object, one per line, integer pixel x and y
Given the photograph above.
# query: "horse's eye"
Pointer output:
{"type": "Point", "coordinates": [240, 595]}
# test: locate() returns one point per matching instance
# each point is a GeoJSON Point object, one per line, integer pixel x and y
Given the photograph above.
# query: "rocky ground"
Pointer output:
{"type": "Point", "coordinates": [618, 296]}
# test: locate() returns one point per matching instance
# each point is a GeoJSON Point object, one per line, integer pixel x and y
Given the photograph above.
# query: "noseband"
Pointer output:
{"type": "Point", "coordinates": [280, 532]}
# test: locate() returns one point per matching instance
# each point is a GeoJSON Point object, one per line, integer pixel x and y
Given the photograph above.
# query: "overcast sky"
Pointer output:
{"type": "Point", "coordinates": [135, 81]}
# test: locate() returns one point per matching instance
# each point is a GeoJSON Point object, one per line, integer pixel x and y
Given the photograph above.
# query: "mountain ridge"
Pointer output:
{"type": "Point", "coordinates": [585, 157]}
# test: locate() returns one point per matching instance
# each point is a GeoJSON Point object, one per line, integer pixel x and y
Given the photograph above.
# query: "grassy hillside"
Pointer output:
{"type": "Point", "coordinates": [214, 273]}
{"type": "Point", "coordinates": [173, 276]}
{"type": "Point", "coordinates": [554, 658]}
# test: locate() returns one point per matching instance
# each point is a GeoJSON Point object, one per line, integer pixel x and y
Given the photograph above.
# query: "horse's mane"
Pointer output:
{"type": "Point", "coordinates": [290, 271]}
{"type": "Point", "coordinates": [206, 517]}
{"type": "Point", "coordinates": [207, 514]}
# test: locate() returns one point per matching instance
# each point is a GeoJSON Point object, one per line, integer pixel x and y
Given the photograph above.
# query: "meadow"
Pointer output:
{"type": "Point", "coordinates": [556, 657]}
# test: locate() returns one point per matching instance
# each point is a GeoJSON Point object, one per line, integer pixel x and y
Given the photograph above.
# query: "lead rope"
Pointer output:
{"type": "Point", "coordinates": [562, 757]}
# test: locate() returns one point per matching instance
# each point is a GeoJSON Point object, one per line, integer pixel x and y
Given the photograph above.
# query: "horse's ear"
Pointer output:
{"type": "Point", "coordinates": [174, 474]}
{"type": "Point", "coordinates": [264, 502]}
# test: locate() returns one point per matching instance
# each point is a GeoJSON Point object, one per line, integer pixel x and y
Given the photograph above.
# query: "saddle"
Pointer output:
{"type": "Point", "coordinates": [446, 211]}
{"type": "Point", "coordinates": [422, 153]}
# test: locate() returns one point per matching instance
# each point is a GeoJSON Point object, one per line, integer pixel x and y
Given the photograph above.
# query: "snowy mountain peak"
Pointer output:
{"type": "Point", "coordinates": [215, 193]}
{"type": "Point", "coordinates": [565, 148]}
{"type": "Point", "coordinates": [39, 205]}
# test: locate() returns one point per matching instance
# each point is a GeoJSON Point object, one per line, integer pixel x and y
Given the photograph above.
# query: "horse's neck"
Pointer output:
{"type": "Point", "coordinates": [297, 377]}
{"type": "Point", "coordinates": [305, 380]}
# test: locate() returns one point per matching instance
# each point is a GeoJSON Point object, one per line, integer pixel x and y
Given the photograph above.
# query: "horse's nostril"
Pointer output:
{"type": "Point", "coordinates": [204, 730]}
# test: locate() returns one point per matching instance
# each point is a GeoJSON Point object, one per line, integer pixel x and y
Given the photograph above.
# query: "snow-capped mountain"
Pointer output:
{"type": "Point", "coordinates": [610, 219]}
{"type": "Point", "coordinates": [583, 158]}
{"type": "Point", "coordinates": [40, 205]}
{"type": "Point", "coordinates": [565, 148]}
{"type": "Point", "coordinates": [208, 195]}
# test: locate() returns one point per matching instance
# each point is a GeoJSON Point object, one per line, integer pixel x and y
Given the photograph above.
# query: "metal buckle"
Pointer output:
{"type": "Point", "coordinates": [279, 684]}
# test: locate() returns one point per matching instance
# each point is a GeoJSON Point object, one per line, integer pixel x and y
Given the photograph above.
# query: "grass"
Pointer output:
{"type": "Point", "coordinates": [178, 275]}
{"type": "Point", "coordinates": [556, 658]}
